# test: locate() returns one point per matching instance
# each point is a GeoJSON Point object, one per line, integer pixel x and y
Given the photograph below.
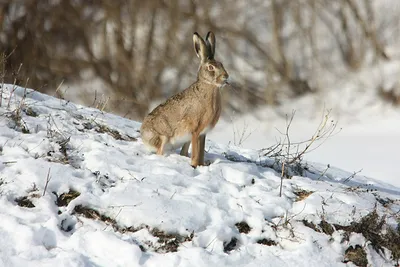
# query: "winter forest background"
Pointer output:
{"type": "Point", "coordinates": [124, 55]}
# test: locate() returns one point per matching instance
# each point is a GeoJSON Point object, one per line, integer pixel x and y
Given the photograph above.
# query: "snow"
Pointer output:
{"type": "Point", "coordinates": [370, 146]}
{"type": "Point", "coordinates": [369, 128]}
{"type": "Point", "coordinates": [73, 148]}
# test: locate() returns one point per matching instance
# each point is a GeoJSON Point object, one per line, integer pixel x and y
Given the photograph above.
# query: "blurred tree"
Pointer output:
{"type": "Point", "coordinates": [43, 36]}
{"type": "Point", "coordinates": [142, 50]}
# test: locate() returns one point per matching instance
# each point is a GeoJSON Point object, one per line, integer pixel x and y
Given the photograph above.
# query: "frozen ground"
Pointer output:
{"type": "Point", "coordinates": [78, 189]}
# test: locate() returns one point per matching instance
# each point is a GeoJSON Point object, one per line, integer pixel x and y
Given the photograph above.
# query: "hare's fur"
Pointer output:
{"type": "Point", "coordinates": [189, 115]}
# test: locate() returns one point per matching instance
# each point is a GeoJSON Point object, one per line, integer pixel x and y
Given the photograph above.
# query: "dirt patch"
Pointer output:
{"type": "Point", "coordinates": [311, 225]}
{"type": "Point", "coordinates": [65, 198]}
{"type": "Point", "coordinates": [63, 156]}
{"type": "Point", "coordinates": [243, 227]}
{"type": "Point", "coordinates": [322, 227]}
{"type": "Point", "coordinates": [392, 238]}
{"type": "Point", "coordinates": [19, 123]}
{"type": "Point", "coordinates": [93, 214]}
{"type": "Point", "coordinates": [326, 227]}
{"type": "Point", "coordinates": [370, 226]}
{"type": "Point", "coordinates": [360, 189]}
{"type": "Point", "coordinates": [87, 125]}
{"type": "Point", "coordinates": [30, 112]}
{"type": "Point", "coordinates": [356, 255]}
{"type": "Point", "coordinates": [167, 242]}
{"type": "Point", "coordinates": [302, 194]}
{"type": "Point", "coordinates": [266, 242]}
{"type": "Point", "coordinates": [101, 128]}
{"type": "Point", "coordinates": [24, 202]}
{"type": "Point", "coordinates": [64, 148]}
{"type": "Point", "coordinates": [386, 202]}
{"type": "Point", "coordinates": [231, 245]}
{"type": "Point", "coordinates": [236, 158]}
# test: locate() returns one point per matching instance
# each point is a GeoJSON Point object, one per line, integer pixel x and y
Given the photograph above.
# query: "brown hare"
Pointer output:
{"type": "Point", "coordinates": [187, 116]}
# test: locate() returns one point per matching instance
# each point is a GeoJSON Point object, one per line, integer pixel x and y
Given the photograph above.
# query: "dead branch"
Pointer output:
{"type": "Point", "coordinates": [48, 178]}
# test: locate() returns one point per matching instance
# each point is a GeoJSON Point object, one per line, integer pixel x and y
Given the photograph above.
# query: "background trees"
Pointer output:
{"type": "Point", "coordinates": [140, 51]}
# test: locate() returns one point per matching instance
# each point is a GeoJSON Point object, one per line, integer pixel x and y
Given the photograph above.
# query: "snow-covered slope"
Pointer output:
{"type": "Point", "coordinates": [77, 188]}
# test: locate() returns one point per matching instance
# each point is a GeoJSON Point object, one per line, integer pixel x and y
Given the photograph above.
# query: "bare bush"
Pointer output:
{"type": "Point", "coordinates": [287, 156]}
{"type": "Point", "coordinates": [43, 36]}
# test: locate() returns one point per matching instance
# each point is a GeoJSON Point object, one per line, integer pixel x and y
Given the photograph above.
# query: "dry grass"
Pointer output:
{"type": "Point", "coordinates": [166, 242]}
{"type": "Point", "coordinates": [302, 194]}
{"type": "Point", "coordinates": [375, 231]}
{"type": "Point", "coordinates": [266, 242]}
{"type": "Point", "coordinates": [243, 227]}
{"type": "Point", "coordinates": [65, 198]}
{"type": "Point", "coordinates": [24, 202]}
{"type": "Point", "coordinates": [356, 255]}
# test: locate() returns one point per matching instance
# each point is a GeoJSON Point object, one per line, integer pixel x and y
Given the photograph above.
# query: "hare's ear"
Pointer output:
{"type": "Point", "coordinates": [200, 47]}
{"type": "Point", "coordinates": [210, 41]}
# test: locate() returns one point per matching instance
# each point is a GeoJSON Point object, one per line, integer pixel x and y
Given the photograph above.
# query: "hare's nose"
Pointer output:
{"type": "Point", "coordinates": [225, 76]}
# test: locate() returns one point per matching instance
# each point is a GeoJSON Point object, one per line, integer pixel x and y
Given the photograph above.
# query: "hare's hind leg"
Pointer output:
{"type": "Point", "coordinates": [185, 149]}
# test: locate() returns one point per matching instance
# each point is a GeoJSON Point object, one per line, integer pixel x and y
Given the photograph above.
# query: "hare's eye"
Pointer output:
{"type": "Point", "coordinates": [210, 67]}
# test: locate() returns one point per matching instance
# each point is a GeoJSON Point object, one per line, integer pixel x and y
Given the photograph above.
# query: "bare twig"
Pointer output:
{"type": "Point", "coordinates": [48, 178]}
{"type": "Point", "coordinates": [315, 137]}
{"type": "Point", "coordinates": [58, 92]}
{"type": "Point", "coordinates": [9, 162]}
{"type": "Point", "coordinates": [288, 155]}
{"type": "Point", "coordinates": [123, 206]}
{"type": "Point", "coordinates": [105, 228]}
{"type": "Point", "coordinates": [282, 173]}
{"type": "Point", "coordinates": [14, 84]}
{"type": "Point", "coordinates": [22, 102]}
{"type": "Point", "coordinates": [323, 173]}
{"type": "Point", "coordinates": [352, 176]}
{"type": "Point", "coordinates": [3, 74]}
{"type": "Point", "coordinates": [239, 136]}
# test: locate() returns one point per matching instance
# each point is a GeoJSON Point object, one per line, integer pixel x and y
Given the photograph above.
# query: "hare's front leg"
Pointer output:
{"type": "Point", "coordinates": [202, 143]}
{"type": "Point", "coordinates": [195, 150]}
{"type": "Point", "coordinates": [201, 147]}
{"type": "Point", "coordinates": [185, 149]}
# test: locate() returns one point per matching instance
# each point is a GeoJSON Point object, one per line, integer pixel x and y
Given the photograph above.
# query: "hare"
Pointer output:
{"type": "Point", "coordinates": [187, 116]}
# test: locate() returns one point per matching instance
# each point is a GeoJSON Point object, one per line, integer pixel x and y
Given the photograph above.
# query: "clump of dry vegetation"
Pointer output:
{"type": "Point", "coordinates": [266, 242]}
{"type": "Point", "coordinates": [243, 227]}
{"type": "Point", "coordinates": [65, 198]}
{"type": "Point", "coordinates": [24, 202]}
{"type": "Point", "coordinates": [375, 230]}
{"type": "Point", "coordinates": [286, 156]}
{"type": "Point", "coordinates": [302, 194]}
{"type": "Point", "coordinates": [166, 242]}
{"type": "Point", "coordinates": [356, 255]}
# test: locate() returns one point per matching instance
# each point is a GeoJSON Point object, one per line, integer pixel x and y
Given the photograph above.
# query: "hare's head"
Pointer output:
{"type": "Point", "coordinates": [210, 71]}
